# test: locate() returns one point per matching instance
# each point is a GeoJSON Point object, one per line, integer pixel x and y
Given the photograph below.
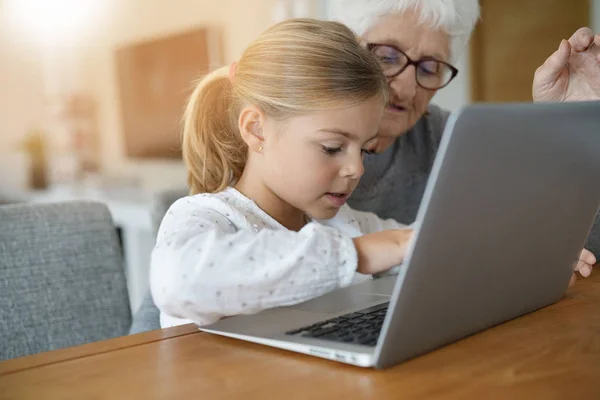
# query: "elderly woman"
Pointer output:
{"type": "Point", "coordinates": [417, 41]}
{"type": "Point", "coordinates": [414, 38]}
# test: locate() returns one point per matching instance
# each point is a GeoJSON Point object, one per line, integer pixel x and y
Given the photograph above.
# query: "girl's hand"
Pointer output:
{"type": "Point", "coordinates": [584, 265]}
{"type": "Point", "coordinates": [380, 251]}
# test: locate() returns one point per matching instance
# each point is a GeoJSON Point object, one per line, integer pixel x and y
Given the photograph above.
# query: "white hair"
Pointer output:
{"type": "Point", "coordinates": [456, 17]}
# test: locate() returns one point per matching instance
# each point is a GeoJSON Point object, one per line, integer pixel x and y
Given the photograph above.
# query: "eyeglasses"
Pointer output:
{"type": "Point", "coordinates": [431, 74]}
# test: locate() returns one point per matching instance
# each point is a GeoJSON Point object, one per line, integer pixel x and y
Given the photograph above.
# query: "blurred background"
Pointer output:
{"type": "Point", "coordinates": [91, 91]}
{"type": "Point", "coordinates": [96, 86]}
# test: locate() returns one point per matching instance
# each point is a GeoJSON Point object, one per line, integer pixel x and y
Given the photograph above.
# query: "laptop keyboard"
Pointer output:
{"type": "Point", "coordinates": [360, 327]}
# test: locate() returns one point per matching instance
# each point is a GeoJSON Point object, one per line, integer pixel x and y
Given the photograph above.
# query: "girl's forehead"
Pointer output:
{"type": "Point", "coordinates": [357, 120]}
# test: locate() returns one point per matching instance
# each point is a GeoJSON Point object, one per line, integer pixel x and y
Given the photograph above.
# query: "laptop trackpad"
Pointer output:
{"type": "Point", "coordinates": [341, 301]}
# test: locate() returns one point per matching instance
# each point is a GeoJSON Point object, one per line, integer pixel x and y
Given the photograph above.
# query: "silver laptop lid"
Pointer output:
{"type": "Point", "coordinates": [511, 198]}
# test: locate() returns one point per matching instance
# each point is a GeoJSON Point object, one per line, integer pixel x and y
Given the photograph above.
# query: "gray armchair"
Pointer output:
{"type": "Point", "coordinates": [61, 277]}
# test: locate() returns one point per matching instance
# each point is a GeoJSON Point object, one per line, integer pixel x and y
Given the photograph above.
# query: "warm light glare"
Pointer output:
{"type": "Point", "coordinates": [51, 20]}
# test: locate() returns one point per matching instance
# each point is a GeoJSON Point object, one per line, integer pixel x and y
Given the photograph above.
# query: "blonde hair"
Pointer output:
{"type": "Point", "coordinates": [296, 67]}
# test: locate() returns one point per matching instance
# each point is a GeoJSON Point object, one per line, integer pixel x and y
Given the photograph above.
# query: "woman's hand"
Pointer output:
{"type": "Point", "coordinates": [571, 73]}
{"type": "Point", "coordinates": [584, 265]}
{"type": "Point", "coordinates": [380, 251]}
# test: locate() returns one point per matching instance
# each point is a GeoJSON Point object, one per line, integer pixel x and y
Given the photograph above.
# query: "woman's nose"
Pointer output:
{"type": "Point", "coordinates": [405, 85]}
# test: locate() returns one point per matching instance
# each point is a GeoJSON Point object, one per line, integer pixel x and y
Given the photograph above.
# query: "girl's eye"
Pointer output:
{"type": "Point", "coordinates": [331, 150]}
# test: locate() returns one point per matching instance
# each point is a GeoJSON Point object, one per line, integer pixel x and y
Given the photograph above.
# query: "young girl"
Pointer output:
{"type": "Point", "coordinates": [274, 147]}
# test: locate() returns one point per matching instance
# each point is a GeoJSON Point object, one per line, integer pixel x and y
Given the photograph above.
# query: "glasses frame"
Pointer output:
{"type": "Point", "coordinates": [416, 63]}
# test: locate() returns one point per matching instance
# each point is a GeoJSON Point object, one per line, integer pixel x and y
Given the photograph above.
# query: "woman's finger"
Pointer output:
{"type": "Point", "coordinates": [584, 269]}
{"type": "Point", "coordinates": [581, 39]}
{"type": "Point", "coordinates": [587, 257]}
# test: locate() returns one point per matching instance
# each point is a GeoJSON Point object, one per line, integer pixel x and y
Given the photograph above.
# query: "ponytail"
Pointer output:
{"type": "Point", "coordinates": [213, 150]}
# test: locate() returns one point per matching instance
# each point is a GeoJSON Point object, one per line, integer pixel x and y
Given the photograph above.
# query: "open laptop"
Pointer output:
{"type": "Point", "coordinates": [508, 206]}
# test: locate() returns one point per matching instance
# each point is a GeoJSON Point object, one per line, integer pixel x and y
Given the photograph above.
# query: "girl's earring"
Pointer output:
{"type": "Point", "coordinates": [260, 148]}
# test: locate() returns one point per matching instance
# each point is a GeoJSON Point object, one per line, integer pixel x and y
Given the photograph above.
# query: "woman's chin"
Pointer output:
{"type": "Point", "coordinates": [393, 127]}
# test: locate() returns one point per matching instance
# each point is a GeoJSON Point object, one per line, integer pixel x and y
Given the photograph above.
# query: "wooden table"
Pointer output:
{"type": "Point", "coordinates": [552, 353]}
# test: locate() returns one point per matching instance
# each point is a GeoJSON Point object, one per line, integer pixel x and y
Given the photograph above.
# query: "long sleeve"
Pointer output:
{"type": "Point", "coordinates": [357, 223]}
{"type": "Point", "coordinates": [369, 222]}
{"type": "Point", "coordinates": [203, 268]}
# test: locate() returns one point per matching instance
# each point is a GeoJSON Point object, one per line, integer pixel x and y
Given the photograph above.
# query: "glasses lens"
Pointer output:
{"type": "Point", "coordinates": [390, 59]}
{"type": "Point", "coordinates": [433, 74]}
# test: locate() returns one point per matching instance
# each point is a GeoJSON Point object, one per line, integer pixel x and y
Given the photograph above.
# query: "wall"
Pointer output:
{"type": "Point", "coordinates": [85, 61]}
{"type": "Point", "coordinates": [21, 106]}
{"type": "Point", "coordinates": [596, 16]}
{"type": "Point", "coordinates": [238, 22]}
{"type": "Point", "coordinates": [458, 92]}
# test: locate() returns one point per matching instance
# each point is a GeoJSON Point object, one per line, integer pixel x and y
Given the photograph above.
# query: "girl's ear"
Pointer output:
{"type": "Point", "coordinates": [250, 124]}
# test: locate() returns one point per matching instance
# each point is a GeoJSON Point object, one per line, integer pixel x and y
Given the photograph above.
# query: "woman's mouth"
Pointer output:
{"type": "Point", "coordinates": [395, 107]}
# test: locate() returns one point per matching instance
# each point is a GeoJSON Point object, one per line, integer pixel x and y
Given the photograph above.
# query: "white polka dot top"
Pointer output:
{"type": "Point", "coordinates": [219, 255]}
